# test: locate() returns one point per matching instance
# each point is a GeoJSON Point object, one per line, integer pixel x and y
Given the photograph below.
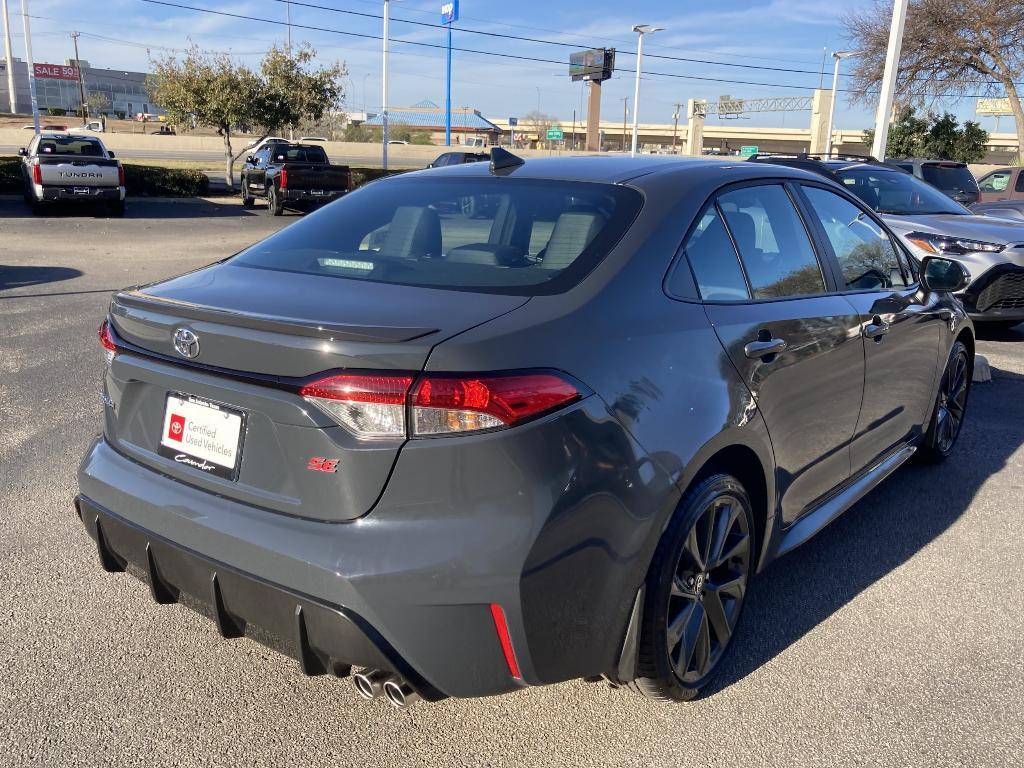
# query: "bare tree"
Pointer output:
{"type": "Point", "coordinates": [951, 48]}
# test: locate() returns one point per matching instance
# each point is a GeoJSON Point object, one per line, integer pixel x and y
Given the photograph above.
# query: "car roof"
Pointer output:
{"type": "Point", "coordinates": [617, 169]}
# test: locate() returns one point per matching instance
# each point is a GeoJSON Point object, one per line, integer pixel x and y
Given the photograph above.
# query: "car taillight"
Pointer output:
{"type": "Point", "coordinates": [284, 178]}
{"type": "Point", "coordinates": [37, 174]}
{"type": "Point", "coordinates": [107, 341]}
{"type": "Point", "coordinates": [374, 406]}
{"type": "Point", "coordinates": [368, 405]}
{"type": "Point", "coordinates": [447, 404]}
{"type": "Point", "coordinates": [120, 175]}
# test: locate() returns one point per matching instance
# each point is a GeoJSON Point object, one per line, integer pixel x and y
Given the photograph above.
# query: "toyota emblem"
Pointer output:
{"type": "Point", "coordinates": [186, 343]}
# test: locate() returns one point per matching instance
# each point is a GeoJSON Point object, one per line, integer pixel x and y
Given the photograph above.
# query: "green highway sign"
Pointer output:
{"type": "Point", "coordinates": [555, 134]}
{"type": "Point", "coordinates": [748, 151]}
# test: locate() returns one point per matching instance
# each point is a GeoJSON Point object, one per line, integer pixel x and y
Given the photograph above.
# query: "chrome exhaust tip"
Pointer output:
{"type": "Point", "coordinates": [369, 683]}
{"type": "Point", "coordinates": [400, 693]}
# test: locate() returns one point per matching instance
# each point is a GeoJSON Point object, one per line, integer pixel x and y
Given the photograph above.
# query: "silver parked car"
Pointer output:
{"type": "Point", "coordinates": [932, 224]}
{"type": "Point", "coordinates": [59, 167]}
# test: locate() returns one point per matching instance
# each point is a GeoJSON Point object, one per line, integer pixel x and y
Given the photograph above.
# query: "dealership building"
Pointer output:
{"type": "Point", "coordinates": [57, 87]}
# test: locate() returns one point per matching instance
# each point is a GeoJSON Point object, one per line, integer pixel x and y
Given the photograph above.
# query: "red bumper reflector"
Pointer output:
{"type": "Point", "coordinates": [501, 627]}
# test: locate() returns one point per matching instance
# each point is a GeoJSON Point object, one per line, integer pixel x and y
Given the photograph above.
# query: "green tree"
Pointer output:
{"type": "Point", "coordinates": [933, 136]}
{"type": "Point", "coordinates": [217, 92]}
{"type": "Point", "coordinates": [950, 48]}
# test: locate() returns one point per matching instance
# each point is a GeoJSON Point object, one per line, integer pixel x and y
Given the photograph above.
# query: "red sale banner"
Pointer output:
{"type": "Point", "coordinates": [55, 71]}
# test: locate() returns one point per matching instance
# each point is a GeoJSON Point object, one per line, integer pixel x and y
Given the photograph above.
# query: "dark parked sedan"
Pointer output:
{"type": "Point", "coordinates": [455, 456]}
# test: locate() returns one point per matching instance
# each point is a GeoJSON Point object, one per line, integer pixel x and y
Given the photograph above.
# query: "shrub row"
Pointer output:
{"type": "Point", "coordinates": [154, 181]}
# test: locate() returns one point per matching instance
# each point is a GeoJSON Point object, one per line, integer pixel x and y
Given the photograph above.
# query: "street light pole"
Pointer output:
{"type": "Point", "coordinates": [31, 66]}
{"type": "Point", "coordinates": [675, 127]}
{"type": "Point", "coordinates": [81, 84]}
{"type": "Point", "coordinates": [892, 61]}
{"type": "Point", "coordinates": [625, 117]}
{"type": "Point", "coordinates": [9, 58]}
{"type": "Point", "coordinates": [384, 89]}
{"type": "Point", "coordinates": [641, 30]}
{"type": "Point", "coordinates": [838, 56]}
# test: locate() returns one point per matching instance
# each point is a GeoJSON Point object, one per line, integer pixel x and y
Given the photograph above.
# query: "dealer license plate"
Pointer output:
{"type": "Point", "coordinates": [201, 434]}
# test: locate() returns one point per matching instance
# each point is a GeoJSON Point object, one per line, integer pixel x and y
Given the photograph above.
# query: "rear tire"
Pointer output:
{"type": "Point", "coordinates": [695, 590]}
{"type": "Point", "coordinates": [274, 205]}
{"type": "Point", "coordinates": [950, 407]}
{"type": "Point", "coordinates": [36, 207]}
{"type": "Point", "coordinates": [116, 209]}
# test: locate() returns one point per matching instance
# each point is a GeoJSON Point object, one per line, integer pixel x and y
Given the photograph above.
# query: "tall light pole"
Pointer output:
{"type": "Point", "coordinates": [384, 89]}
{"type": "Point", "coordinates": [31, 66]}
{"type": "Point", "coordinates": [449, 15]}
{"type": "Point", "coordinates": [641, 30]}
{"type": "Point", "coordinates": [625, 117]}
{"type": "Point", "coordinates": [892, 61]}
{"type": "Point", "coordinates": [838, 56]}
{"type": "Point", "coordinates": [9, 58]}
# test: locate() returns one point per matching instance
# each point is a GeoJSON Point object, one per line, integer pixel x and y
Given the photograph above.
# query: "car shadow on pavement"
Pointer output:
{"type": "Point", "coordinates": [883, 531]}
{"type": "Point", "coordinates": [22, 277]}
{"type": "Point", "coordinates": [138, 208]}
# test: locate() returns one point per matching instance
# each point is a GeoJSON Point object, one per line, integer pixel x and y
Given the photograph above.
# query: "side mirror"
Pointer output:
{"type": "Point", "coordinates": [111, 154]}
{"type": "Point", "coordinates": [251, 159]}
{"type": "Point", "coordinates": [23, 152]}
{"type": "Point", "coordinates": [940, 275]}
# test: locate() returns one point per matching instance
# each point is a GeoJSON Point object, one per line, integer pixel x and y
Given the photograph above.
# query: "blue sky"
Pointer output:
{"type": "Point", "coordinates": [781, 34]}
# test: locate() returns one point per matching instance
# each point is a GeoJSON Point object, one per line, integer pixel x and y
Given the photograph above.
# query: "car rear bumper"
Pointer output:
{"type": "Point", "coordinates": [324, 638]}
{"type": "Point", "coordinates": [531, 520]}
{"type": "Point", "coordinates": [307, 196]}
{"type": "Point", "coordinates": [105, 194]}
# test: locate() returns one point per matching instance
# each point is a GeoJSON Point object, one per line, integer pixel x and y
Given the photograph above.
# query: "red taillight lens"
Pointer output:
{"type": "Point", "coordinates": [445, 404]}
{"type": "Point", "coordinates": [107, 341]}
{"type": "Point", "coordinates": [120, 175]}
{"type": "Point", "coordinates": [284, 178]}
{"type": "Point", "coordinates": [368, 405]}
{"type": "Point", "coordinates": [37, 174]}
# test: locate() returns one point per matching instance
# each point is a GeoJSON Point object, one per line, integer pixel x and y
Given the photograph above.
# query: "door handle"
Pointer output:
{"type": "Point", "coordinates": [876, 329]}
{"type": "Point", "coordinates": [765, 348]}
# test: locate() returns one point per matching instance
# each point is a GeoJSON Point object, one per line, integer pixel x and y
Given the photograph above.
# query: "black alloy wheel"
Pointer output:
{"type": "Point", "coordinates": [950, 406]}
{"type": "Point", "coordinates": [696, 590]}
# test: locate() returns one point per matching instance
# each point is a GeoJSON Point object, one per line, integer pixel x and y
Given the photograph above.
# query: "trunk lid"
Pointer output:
{"type": "Point", "coordinates": [260, 334]}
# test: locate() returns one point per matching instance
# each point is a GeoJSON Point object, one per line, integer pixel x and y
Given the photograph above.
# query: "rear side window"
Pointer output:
{"type": "Point", "coordinates": [1019, 186]}
{"type": "Point", "coordinates": [772, 241]}
{"type": "Point", "coordinates": [300, 154]}
{"type": "Point", "coordinates": [713, 260]}
{"type": "Point", "coordinates": [996, 182]}
{"type": "Point", "coordinates": [868, 258]}
{"type": "Point", "coordinates": [59, 145]}
{"type": "Point", "coordinates": [490, 234]}
{"type": "Point", "coordinates": [949, 177]}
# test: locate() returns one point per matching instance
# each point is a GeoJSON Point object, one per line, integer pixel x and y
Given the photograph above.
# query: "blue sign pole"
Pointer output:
{"type": "Point", "coordinates": [449, 15]}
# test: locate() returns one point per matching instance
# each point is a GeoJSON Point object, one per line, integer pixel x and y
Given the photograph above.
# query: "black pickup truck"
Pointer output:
{"type": "Point", "coordinates": [298, 176]}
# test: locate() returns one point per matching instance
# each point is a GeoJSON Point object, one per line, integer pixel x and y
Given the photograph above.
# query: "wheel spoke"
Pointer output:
{"type": "Point", "coordinates": [716, 617]}
{"type": "Point", "coordinates": [734, 587]}
{"type": "Point", "coordinates": [696, 619]}
{"type": "Point", "coordinates": [723, 520]}
{"type": "Point", "coordinates": [740, 547]}
{"type": "Point", "coordinates": [692, 547]}
{"type": "Point", "coordinates": [702, 649]}
{"type": "Point", "coordinates": [676, 627]}
{"type": "Point", "coordinates": [679, 588]}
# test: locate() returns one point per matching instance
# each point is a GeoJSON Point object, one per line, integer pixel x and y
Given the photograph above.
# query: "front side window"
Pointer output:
{"type": "Point", "coordinates": [868, 258]}
{"type": "Point", "coordinates": [498, 235]}
{"type": "Point", "coordinates": [772, 241]}
{"type": "Point", "coordinates": [995, 182]}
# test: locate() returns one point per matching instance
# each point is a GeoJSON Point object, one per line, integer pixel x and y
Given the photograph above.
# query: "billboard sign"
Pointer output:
{"type": "Point", "coordinates": [595, 64]}
{"type": "Point", "coordinates": [449, 11]}
{"type": "Point", "coordinates": [994, 107]}
{"type": "Point", "coordinates": [55, 72]}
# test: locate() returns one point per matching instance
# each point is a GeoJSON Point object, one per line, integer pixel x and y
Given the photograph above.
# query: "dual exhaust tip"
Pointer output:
{"type": "Point", "coordinates": [371, 683]}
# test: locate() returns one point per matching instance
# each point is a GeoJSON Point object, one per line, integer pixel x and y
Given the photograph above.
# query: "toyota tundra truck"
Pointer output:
{"type": "Point", "coordinates": [61, 167]}
{"type": "Point", "coordinates": [296, 176]}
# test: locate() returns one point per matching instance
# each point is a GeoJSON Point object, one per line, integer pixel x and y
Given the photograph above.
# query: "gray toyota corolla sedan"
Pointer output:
{"type": "Point", "coordinates": [456, 456]}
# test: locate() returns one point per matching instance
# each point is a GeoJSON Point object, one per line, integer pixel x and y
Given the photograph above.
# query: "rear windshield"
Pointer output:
{"type": "Point", "coordinates": [299, 154]}
{"type": "Point", "coordinates": [497, 235]}
{"type": "Point", "coordinates": [61, 145]}
{"type": "Point", "coordinates": [949, 177]}
{"type": "Point", "coordinates": [887, 191]}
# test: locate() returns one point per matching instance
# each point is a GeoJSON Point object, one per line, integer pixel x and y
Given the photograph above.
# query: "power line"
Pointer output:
{"type": "Point", "coordinates": [574, 46]}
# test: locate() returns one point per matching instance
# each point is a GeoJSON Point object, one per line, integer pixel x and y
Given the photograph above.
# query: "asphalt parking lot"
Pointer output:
{"type": "Point", "coordinates": [895, 637]}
